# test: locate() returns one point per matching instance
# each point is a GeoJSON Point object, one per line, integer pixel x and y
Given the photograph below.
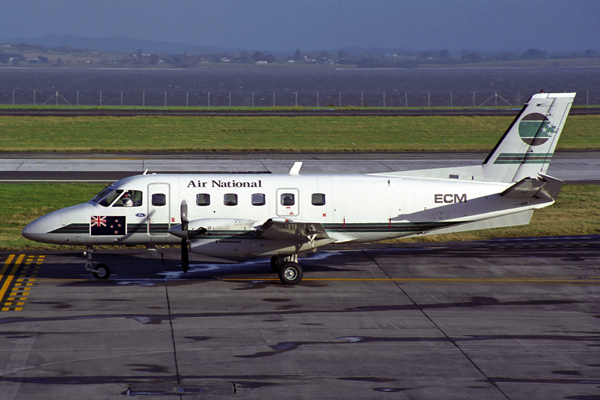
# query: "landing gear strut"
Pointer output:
{"type": "Point", "coordinates": [290, 272]}
{"type": "Point", "coordinates": [101, 271]}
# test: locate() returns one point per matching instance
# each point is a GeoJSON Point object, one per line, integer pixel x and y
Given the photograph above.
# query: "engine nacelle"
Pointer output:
{"type": "Point", "coordinates": [199, 227]}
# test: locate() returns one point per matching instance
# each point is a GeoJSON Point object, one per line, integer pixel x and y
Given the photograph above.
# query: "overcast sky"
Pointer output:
{"type": "Point", "coordinates": [284, 25]}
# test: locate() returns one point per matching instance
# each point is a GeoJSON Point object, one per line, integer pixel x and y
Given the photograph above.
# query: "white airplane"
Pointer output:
{"type": "Point", "coordinates": [279, 216]}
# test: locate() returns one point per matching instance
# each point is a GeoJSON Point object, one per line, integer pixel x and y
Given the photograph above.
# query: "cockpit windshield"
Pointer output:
{"type": "Point", "coordinates": [107, 196]}
{"type": "Point", "coordinates": [102, 193]}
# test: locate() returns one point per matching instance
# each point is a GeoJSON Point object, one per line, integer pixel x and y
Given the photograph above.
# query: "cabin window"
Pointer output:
{"type": "Point", "coordinates": [231, 199]}
{"type": "Point", "coordinates": [258, 199]}
{"type": "Point", "coordinates": [318, 199]}
{"type": "Point", "coordinates": [131, 198]}
{"type": "Point", "coordinates": [288, 199]}
{"type": "Point", "coordinates": [203, 199]}
{"type": "Point", "coordinates": [159, 199]}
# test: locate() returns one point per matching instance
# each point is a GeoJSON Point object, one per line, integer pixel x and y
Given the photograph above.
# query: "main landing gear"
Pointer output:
{"type": "Point", "coordinates": [101, 271]}
{"type": "Point", "coordinates": [290, 272]}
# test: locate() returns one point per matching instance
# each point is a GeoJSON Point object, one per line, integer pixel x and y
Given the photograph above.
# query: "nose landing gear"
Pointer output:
{"type": "Point", "coordinates": [101, 271]}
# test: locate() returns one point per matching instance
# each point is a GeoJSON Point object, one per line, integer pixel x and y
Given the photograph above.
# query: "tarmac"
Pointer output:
{"type": "Point", "coordinates": [502, 319]}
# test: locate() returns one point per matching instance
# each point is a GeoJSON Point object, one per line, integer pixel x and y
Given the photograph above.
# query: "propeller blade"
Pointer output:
{"type": "Point", "coordinates": [184, 215]}
{"type": "Point", "coordinates": [185, 256]}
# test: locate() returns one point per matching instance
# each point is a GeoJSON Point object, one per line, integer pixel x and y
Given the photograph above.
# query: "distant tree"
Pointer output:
{"type": "Point", "coordinates": [270, 58]}
{"type": "Point", "coordinates": [506, 56]}
{"type": "Point", "coordinates": [444, 55]}
{"type": "Point", "coordinates": [258, 56]}
{"type": "Point", "coordinates": [534, 54]}
{"type": "Point", "coordinates": [425, 55]}
{"type": "Point", "coordinates": [43, 60]}
{"type": "Point", "coordinates": [343, 54]}
{"type": "Point", "coordinates": [245, 58]}
{"type": "Point", "coordinates": [367, 62]}
{"type": "Point", "coordinates": [471, 57]}
{"type": "Point", "coordinates": [59, 61]}
{"type": "Point", "coordinates": [325, 56]}
{"type": "Point", "coordinates": [591, 53]}
{"type": "Point", "coordinates": [154, 59]}
{"type": "Point", "coordinates": [298, 55]}
{"type": "Point", "coordinates": [15, 61]}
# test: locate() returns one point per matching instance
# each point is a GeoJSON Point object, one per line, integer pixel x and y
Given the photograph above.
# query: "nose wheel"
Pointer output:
{"type": "Point", "coordinates": [100, 271]}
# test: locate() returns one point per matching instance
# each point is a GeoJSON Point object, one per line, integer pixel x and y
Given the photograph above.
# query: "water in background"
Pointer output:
{"type": "Point", "coordinates": [318, 87]}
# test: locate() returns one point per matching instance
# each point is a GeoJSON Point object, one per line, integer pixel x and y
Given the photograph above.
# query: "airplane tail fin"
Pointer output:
{"type": "Point", "coordinates": [527, 147]}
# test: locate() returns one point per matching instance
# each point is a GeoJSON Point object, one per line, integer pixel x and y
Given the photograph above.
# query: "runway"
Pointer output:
{"type": "Point", "coordinates": [570, 166]}
{"type": "Point", "coordinates": [268, 112]}
{"type": "Point", "coordinates": [502, 319]}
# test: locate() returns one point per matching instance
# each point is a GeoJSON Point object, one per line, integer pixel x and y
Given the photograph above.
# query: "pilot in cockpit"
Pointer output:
{"type": "Point", "coordinates": [126, 200]}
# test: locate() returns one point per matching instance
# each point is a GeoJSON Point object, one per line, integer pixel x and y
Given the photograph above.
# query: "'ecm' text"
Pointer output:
{"type": "Point", "coordinates": [450, 198]}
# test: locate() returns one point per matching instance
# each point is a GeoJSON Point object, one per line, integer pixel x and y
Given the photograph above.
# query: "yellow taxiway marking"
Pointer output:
{"type": "Point", "coordinates": [10, 276]}
{"type": "Point", "coordinates": [569, 280]}
{"type": "Point", "coordinates": [20, 285]}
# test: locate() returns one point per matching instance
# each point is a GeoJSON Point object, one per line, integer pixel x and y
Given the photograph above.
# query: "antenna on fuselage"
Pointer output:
{"type": "Point", "coordinates": [295, 170]}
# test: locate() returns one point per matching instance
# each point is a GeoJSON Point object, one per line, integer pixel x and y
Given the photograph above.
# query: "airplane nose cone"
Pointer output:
{"type": "Point", "coordinates": [29, 231]}
{"type": "Point", "coordinates": [38, 229]}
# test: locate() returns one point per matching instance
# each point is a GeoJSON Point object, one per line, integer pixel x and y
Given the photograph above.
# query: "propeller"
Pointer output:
{"type": "Point", "coordinates": [185, 257]}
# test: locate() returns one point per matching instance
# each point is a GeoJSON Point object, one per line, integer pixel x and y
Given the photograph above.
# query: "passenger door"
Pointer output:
{"type": "Point", "coordinates": [288, 202]}
{"type": "Point", "coordinates": [159, 211]}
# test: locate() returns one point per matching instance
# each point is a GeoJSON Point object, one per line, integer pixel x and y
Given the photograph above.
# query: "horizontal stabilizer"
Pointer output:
{"type": "Point", "coordinates": [515, 219]}
{"type": "Point", "coordinates": [542, 187]}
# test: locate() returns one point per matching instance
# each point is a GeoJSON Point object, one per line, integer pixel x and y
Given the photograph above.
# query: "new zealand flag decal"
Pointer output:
{"type": "Point", "coordinates": [107, 226]}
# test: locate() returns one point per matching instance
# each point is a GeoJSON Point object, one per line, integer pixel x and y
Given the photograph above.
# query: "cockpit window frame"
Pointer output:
{"type": "Point", "coordinates": [107, 197]}
{"type": "Point", "coordinates": [102, 193]}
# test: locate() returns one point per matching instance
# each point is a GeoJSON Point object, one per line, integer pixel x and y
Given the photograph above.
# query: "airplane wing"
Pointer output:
{"type": "Point", "coordinates": [544, 186]}
{"type": "Point", "coordinates": [292, 229]}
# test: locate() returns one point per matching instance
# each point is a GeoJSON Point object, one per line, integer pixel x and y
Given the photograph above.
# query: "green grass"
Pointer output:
{"type": "Point", "coordinates": [22, 203]}
{"type": "Point", "coordinates": [577, 212]}
{"type": "Point", "coordinates": [435, 133]}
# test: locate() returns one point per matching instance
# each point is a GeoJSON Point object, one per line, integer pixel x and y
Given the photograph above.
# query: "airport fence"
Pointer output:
{"type": "Point", "coordinates": [394, 98]}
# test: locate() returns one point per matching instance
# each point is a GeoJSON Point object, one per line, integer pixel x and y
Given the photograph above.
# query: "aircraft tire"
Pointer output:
{"type": "Point", "coordinates": [101, 271]}
{"type": "Point", "coordinates": [290, 273]}
{"type": "Point", "coordinates": [275, 263]}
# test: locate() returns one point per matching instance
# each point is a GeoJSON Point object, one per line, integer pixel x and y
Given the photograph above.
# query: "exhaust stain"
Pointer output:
{"type": "Point", "coordinates": [390, 390]}
{"type": "Point", "coordinates": [572, 373]}
{"type": "Point", "coordinates": [198, 338]}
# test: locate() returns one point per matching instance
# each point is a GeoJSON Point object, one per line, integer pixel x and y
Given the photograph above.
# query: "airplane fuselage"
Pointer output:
{"type": "Point", "coordinates": [354, 208]}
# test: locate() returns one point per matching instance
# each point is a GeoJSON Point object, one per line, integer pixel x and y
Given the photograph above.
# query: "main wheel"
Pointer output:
{"type": "Point", "coordinates": [275, 263]}
{"type": "Point", "coordinates": [290, 273]}
{"type": "Point", "coordinates": [101, 271]}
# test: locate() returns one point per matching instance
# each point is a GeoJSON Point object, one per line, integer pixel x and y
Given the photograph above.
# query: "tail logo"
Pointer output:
{"type": "Point", "coordinates": [535, 129]}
